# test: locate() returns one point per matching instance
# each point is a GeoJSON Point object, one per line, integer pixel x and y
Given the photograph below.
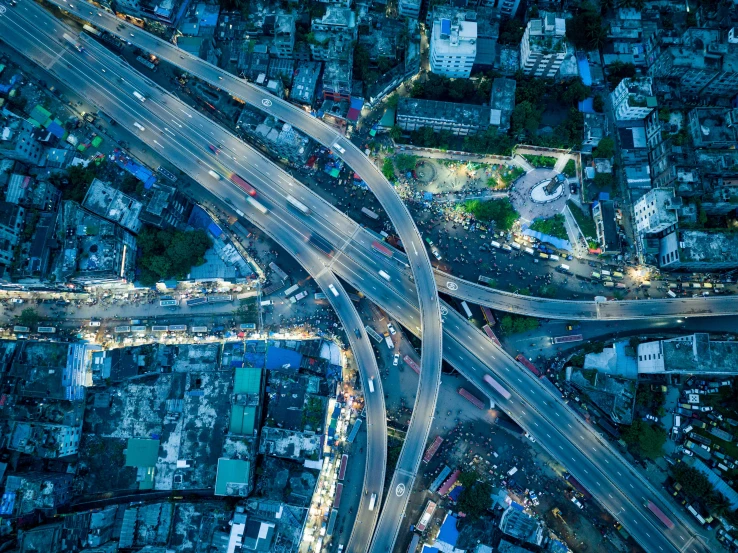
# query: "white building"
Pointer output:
{"type": "Point", "coordinates": [409, 8]}
{"type": "Point", "coordinates": [543, 47]}
{"type": "Point", "coordinates": [453, 47]}
{"type": "Point", "coordinates": [633, 100]}
{"type": "Point", "coordinates": [656, 211]}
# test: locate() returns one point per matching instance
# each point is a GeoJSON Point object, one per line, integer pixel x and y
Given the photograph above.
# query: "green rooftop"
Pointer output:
{"type": "Point", "coordinates": [233, 478]}
{"type": "Point", "coordinates": [142, 452]}
{"type": "Point", "coordinates": [40, 114]}
{"type": "Point", "coordinates": [243, 420]}
{"type": "Point", "coordinates": [247, 380]}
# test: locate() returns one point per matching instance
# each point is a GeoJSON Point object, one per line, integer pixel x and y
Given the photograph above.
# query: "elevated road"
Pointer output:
{"type": "Point", "coordinates": [463, 345]}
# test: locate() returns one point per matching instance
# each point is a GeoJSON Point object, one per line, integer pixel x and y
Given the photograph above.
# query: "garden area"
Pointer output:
{"type": "Point", "coordinates": [585, 221]}
{"type": "Point", "coordinates": [500, 212]}
{"type": "Point", "coordinates": [553, 226]}
{"type": "Point", "coordinates": [504, 175]}
{"type": "Point", "coordinates": [546, 162]}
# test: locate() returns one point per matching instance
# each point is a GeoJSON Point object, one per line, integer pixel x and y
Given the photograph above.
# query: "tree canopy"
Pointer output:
{"type": "Point", "coordinates": [646, 439]}
{"type": "Point", "coordinates": [514, 324]}
{"type": "Point", "coordinates": [475, 499]}
{"type": "Point", "coordinates": [500, 212]}
{"type": "Point", "coordinates": [170, 253]}
{"type": "Point", "coordinates": [29, 317]}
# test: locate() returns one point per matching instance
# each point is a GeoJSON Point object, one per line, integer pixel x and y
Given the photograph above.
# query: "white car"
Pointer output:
{"type": "Point", "coordinates": [705, 409]}
{"type": "Point", "coordinates": [396, 360]}
{"type": "Point", "coordinates": [687, 452]}
{"type": "Point", "coordinates": [651, 418]}
{"type": "Point", "coordinates": [94, 323]}
{"type": "Point", "coordinates": [533, 498]}
{"type": "Point", "coordinates": [437, 254]}
{"type": "Point", "coordinates": [531, 438]}
{"type": "Point", "coordinates": [577, 502]}
{"type": "Point", "coordinates": [391, 328]}
{"type": "Point", "coordinates": [16, 300]}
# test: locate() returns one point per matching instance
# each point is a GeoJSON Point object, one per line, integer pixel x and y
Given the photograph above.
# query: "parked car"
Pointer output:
{"type": "Point", "coordinates": [651, 418]}
{"type": "Point", "coordinates": [16, 300]}
{"type": "Point", "coordinates": [396, 359]}
{"type": "Point", "coordinates": [94, 323]}
{"type": "Point", "coordinates": [577, 502]}
{"type": "Point", "coordinates": [533, 497]}
{"type": "Point", "coordinates": [391, 328]}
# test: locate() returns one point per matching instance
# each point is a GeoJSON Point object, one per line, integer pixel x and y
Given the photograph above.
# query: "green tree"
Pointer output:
{"type": "Point", "coordinates": [617, 71]}
{"type": "Point", "coordinates": [511, 32]}
{"type": "Point", "coordinates": [573, 91]}
{"type": "Point", "coordinates": [501, 212]}
{"type": "Point", "coordinates": [515, 324]}
{"type": "Point", "coordinates": [170, 253]}
{"type": "Point", "coordinates": [395, 132]}
{"type": "Point", "coordinates": [388, 169]}
{"type": "Point", "coordinates": [598, 103]}
{"type": "Point", "coordinates": [29, 317]}
{"type": "Point", "coordinates": [525, 117]}
{"type": "Point", "coordinates": [605, 149]}
{"type": "Point", "coordinates": [392, 100]}
{"type": "Point", "coordinates": [476, 499]}
{"type": "Point", "coordinates": [645, 439]}
{"type": "Point", "coordinates": [694, 484]}
{"type": "Point", "coordinates": [405, 162]}
{"type": "Point", "coordinates": [603, 181]}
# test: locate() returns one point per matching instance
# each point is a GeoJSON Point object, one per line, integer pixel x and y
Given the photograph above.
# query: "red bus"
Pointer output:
{"type": "Point", "coordinates": [431, 451]}
{"type": "Point", "coordinates": [243, 184]}
{"type": "Point", "coordinates": [412, 364]}
{"type": "Point", "coordinates": [491, 335]}
{"type": "Point", "coordinates": [342, 470]}
{"type": "Point", "coordinates": [488, 316]}
{"type": "Point", "coordinates": [475, 401]}
{"type": "Point", "coordinates": [660, 515]}
{"type": "Point", "coordinates": [384, 250]}
{"type": "Point", "coordinates": [528, 365]}
{"type": "Point", "coordinates": [337, 499]}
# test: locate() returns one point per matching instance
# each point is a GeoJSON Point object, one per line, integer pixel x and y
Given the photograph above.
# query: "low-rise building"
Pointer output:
{"type": "Point", "coordinates": [29, 492]}
{"type": "Point", "coordinates": [45, 440]}
{"type": "Point", "coordinates": [603, 213]}
{"type": "Point", "coordinates": [95, 250]}
{"type": "Point", "coordinates": [409, 8]}
{"type": "Point", "coordinates": [713, 127]}
{"type": "Point", "coordinates": [503, 99]}
{"type": "Point", "coordinates": [112, 204]}
{"type": "Point", "coordinates": [11, 225]}
{"type": "Point", "coordinates": [695, 355]}
{"type": "Point", "coordinates": [305, 82]}
{"type": "Point", "coordinates": [699, 251]}
{"type": "Point", "coordinates": [333, 35]}
{"type": "Point", "coordinates": [459, 119]}
{"type": "Point", "coordinates": [543, 47]}
{"type": "Point", "coordinates": [276, 136]}
{"type": "Point", "coordinates": [633, 100]}
{"type": "Point", "coordinates": [521, 526]}
{"type": "Point", "coordinates": [337, 79]}
{"type": "Point", "coordinates": [283, 32]}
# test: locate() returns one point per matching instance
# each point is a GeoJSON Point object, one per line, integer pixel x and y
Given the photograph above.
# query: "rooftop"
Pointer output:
{"type": "Point", "coordinates": [108, 202]}
{"type": "Point", "coordinates": [233, 477]}
{"type": "Point", "coordinates": [698, 354]}
{"type": "Point", "coordinates": [462, 114]}
{"type": "Point", "coordinates": [290, 444]}
{"type": "Point", "coordinates": [697, 245]}
{"type": "Point", "coordinates": [547, 33]}
{"type": "Point", "coordinates": [305, 81]}
{"type": "Point", "coordinates": [713, 127]}
{"type": "Point", "coordinates": [454, 39]}
{"type": "Point", "coordinates": [522, 526]}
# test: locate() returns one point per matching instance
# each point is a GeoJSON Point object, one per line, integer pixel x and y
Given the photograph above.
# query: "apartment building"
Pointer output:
{"type": "Point", "coordinates": [453, 47]}
{"type": "Point", "coordinates": [543, 48]}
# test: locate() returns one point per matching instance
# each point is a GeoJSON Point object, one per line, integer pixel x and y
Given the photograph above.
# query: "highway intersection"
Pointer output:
{"type": "Point", "coordinates": [533, 405]}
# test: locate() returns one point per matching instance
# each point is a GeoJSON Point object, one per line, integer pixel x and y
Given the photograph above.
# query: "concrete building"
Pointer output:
{"type": "Point", "coordinates": [305, 82]}
{"type": "Point", "coordinates": [104, 200]}
{"type": "Point", "coordinates": [45, 440]}
{"type": "Point", "coordinates": [337, 79]}
{"type": "Point", "coordinates": [695, 354]}
{"type": "Point", "coordinates": [488, 32]}
{"type": "Point", "coordinates": [24, 146]}
{"type": "Point", "coordinates": [96, 251]}
{"type": "Point", "coordinates": [460, 119]}
{"type": "Point", "coordinates": [409, 8]}
{"type": "Point", "coordinates": [333, 35]}
{"type": "Point", "coordinates": [595, 129]}
{"type": "Point", "coordinates": [502, 98]}
{"type": "Point", "coordinates": [521, 526]}
{"type": "Point", "coordinates": [633, 100]}
{"type": "Point", "coordinates": [507, 8]}
{"type": "Point", "coordinates": [543, 47]}
{"type": "Point", "coordinates": [35, 491]}
{"type": "Point", "coordinates": [453, 46]}
{"type": "Point", "coordinates": [274, 135]}
{"type": "Point", "coordinates": [713, 127]}
{"type": "Point", "coordinates": [603, 213]}
{"type": "Point", "coordinates": [699, 251]}
{"type": "Point", "coordinates": [704, 62]}
{"type": "Point", "coordinates": [656, 211]}
{"type": "Point", "coordinates": [11, 224]}
{"type": "Point", "coordinates": [283, 43]}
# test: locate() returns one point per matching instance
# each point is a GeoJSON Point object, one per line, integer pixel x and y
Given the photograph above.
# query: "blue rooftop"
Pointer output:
{"type": "Point", "coordinates": [281, 359]}
{"type": "Point", "coordinates": [584, 72]}
{"type": "Point", "coordinates": [445, 26]}
{"type": "Point", "coordinates": [448, 533]}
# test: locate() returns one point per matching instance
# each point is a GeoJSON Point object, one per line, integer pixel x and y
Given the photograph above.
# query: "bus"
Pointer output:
{"type": "Point", "coordinates": [46, 330]}
{"type": "Point", "coordinates": [369, 213]}
{"type": "Point", "coordinates": [373, 333]}
{"type": "Point", "coordinates": [381, 248]}
{"type": "Point", "coordinates": [146, 63]}
{"type": "Point", "coordinates": [159, 328]}
{"type": "Point", "coordinates": [371, 385]}
{"type": "Point", "coordinates": [570, 338]}
{"type": "Point", "coordinates": [467, 311]}
{"type": "Point", "coordinates": [426, 517]}
{"type": "Point", "coordinates": [651, 506]}
{"type": "Point", "coordinates": [121, 329]}
{"type": "Point", "coordinates": [177, 328]}
{"type": "Point", "coordinates": [259, 206]}
{"type": "Point", "coordinates": [196, 301]}
{"type": "Point", "coordinates": [332, 522]}
{"type": "Point", "coordinates": [200, 329]}
{"type": "Point", "coordinates": [342, 467]}
{"type": "Point", "coordinates": [292, 289]}
{"type": "Point", "coordinates": [333, 290]}
{"type": "Point", "coordinates": [91, 30]}
{"type": "Point", "coordinates": [139, 95]}
{"type": "Point", "coordinates": [491, 335]}
{"type": "Point", "coordinates": [488, 316]}
{"type": "Point", "coordinates": [431, 451]}
{"type": "Point", "coordinates": [337, 497]}
{"type": "Point", "coordinates": [412, 364]}
{"type": "Point", "coordinates": [298, 205]}
{"type": "Point", "coordinates": [246, 187]}
{"type": "Point", "coordinates": [475, 401]}
{"type": "Point", "coordinates": [168, 303]}
{"type": "Point", "coordinates": [487, 280]}
{"type": "Point", "coordinates": [520, 358]}
{"type": "Point", "coordinates": [497, 386]}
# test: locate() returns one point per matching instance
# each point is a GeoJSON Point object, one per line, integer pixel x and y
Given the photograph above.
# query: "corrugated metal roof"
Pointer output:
{"type": "Point", "coordinates": [247, 380]}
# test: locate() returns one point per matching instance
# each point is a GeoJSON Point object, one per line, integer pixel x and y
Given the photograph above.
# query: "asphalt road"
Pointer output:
{"type": "Point", "coordinates": [431, 356]}
{"type": "Point", "coordinates": [464, 353]}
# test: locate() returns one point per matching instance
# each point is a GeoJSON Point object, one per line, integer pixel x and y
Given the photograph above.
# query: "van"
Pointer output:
{"type": "Point", "coordinates": [512, 471]}
{"type": "Point", "coordinates": [506, 248]}
{"type": "Point", "coordinates": [688, 429]}
{"type": "Point", "coordinates": [677, 420]}
{"type": "Point", "coordinates": [339, 149]}
{"type": "Point", "coordinates": [564, 267]}
{"type": "Point", "coordinates": [496, 244]}
{"type": "Point", "coordinates": [267, 303]}
{"type": "Point", "coordinates": [516, 246]}
{"type": "Point", "coordinates": [385, 276]}
{"type": "Point", "coordinates": [596, 275]}
{"type": "Point", "coordinates": [138, 126]}
{"type": "Point", "coordinates": [530, 251]}
{"type": "Point", "coordinates": [543, 255]}
{"type": "Point", "coordinates": [553, 257]}
{"type": "Point", "coordinates": [606, 272]}
{"type": "Point", "coordinates": [671, 294]}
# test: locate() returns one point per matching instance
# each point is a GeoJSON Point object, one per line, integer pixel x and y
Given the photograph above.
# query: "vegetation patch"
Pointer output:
{"type": "Point", "coordinates": [514, 324]}
{"type": "Point", "coordinates": [540, 161]}
{"type": "Point", "coordinates": [585, 222]}
{"type": "Point", "coordinates": [170, 253]}
{"type": "Point", "coordinates": [553, 226]}
{"type": "Point", "coordinates": [500, 212]}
